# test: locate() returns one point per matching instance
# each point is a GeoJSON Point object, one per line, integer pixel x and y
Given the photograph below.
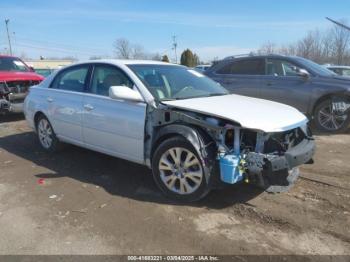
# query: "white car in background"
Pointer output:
{"type": "Point", "coordinates": [202, 68]}
{"type": "Point", "coordinates": [340, 70]}
{"type": "Point", "coordinates": [181, 124]}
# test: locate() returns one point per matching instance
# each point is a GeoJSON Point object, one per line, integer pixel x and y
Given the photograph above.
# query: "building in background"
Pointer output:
{"type": "Point", "coordinates": [45, 67]}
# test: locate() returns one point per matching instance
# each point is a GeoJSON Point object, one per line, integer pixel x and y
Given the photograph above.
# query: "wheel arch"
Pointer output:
{"type": "Point", "coordinates": [37, 115]}
{"type": "Point", "coordinates": [189, 132]}
{"type": "Point", "coordinates": [200, 140]}
{"type": "Point", "coordinates": [325, 97]}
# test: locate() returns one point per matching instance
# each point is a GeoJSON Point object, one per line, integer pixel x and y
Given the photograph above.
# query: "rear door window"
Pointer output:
{"type": "Point", "coordinates": [72, 79]}
{"type": "Point", "coordinates": [244, 67]}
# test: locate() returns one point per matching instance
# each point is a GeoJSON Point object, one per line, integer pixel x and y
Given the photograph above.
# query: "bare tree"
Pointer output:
{"type": "Point", "coordinates": [309, 46]}
{"type": "Point", "coordinates": [327, 46]}
{"type": "Point", "coordinates": [123, 48]}
{"type": "Point", "coordinates": [156, 57]}
{"type": "Point", "coordinates": [138, 52]}
{"type": "Point", "coordinates": [330, 46]}
{"type": "Point", "coordinates": [287, 49]}
{"type": "Point", "coordinates": [341, 41]}
{"type": "Point", "coordinates": [268, 48]}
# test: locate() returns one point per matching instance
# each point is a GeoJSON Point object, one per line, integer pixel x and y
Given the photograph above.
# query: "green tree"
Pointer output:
{"type": "Point", "coordinates": [196, 59]}
{"type": "Point", "coordinates": [165, 58]}
{"type": "Point", "coordinates": [187, 58]}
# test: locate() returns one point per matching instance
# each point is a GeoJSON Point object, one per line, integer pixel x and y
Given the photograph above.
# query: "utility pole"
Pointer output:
{"type": "Point", "coordinates": [8, 35]}
{"type": "Point", "coordinates": [174, 47]}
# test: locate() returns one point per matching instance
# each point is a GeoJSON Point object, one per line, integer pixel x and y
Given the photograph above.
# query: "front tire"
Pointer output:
{"type": "Point", "coordinates": [46, 135]}
{"type": "Point", "coordinates": [329, 120]}
{"type": "Point", "coordinates": [178, 171]}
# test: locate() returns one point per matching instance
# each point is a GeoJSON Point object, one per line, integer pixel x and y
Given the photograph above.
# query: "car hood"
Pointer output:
{"type": "Point", "coordinates": [249, 112]}
{"type": "Point", "coordinates": [15, 76]}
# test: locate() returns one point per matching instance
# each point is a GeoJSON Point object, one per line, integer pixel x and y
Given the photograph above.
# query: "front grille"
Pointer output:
{"type": "Point", "coordinates": [17, 87]}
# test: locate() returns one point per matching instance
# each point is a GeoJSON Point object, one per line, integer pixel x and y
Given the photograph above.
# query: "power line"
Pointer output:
{"type": "Point", "coordinates": [61, 50]}
{"type": "Point", "coordinates": [61, 45]}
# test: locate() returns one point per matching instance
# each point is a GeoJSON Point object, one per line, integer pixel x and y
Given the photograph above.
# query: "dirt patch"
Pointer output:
{"type": "Point", "coordinates": [81, 202]}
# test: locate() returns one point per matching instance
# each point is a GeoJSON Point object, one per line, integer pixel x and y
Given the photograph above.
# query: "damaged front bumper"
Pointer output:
{"type": "Point", "coordinates": [274, 172]}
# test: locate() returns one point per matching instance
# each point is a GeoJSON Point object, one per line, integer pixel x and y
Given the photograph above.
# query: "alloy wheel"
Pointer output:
{"type": "Point", "coordinates": [180, 170]}
{"type": "Point", "coordinates": [331, 119]}
{"type": "Point", "coordinates": [45, 133]}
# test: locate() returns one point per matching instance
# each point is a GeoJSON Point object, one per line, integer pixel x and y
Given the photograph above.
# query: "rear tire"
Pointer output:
{"type": "Point", "coordinates": [46, 135]}
{"type": "Point", "coordinates": [329, 121]}
{"type": "Point", "coordinates": [178, 171]}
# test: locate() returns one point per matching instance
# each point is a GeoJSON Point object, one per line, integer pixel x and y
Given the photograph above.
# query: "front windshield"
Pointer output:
{"type": "Point", "coordinates": [171, 82]}
{"type": "Point", "coordinates": [12, 64]}
{"type": "Point", "coordinates": [318, 69]}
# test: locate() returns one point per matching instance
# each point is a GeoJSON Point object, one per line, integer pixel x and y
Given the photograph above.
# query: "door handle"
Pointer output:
{"type": "Point", "coordinates": [88, 107]}
{"type": "Point", "coordinates": [49, 99]}
{"type": "Point", "coordinates": [269, 83]}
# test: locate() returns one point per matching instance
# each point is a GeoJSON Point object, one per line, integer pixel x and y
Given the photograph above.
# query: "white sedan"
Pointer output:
{"type": "Point", "coordinates": [184, 126]}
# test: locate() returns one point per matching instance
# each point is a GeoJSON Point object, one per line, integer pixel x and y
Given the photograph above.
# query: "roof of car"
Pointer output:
{"type": "Point", "coordinates": [8, 56]}
{"type": "Point", "coordinates": [255, 55]}
{"type": "Point", "coordinates": [126, 62]}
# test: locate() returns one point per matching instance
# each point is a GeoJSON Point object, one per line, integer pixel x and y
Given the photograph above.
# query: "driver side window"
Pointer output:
{"type": "Point", "coordinates": [105, 76]}
{"type": "Point", "coordinates": [278, 67]}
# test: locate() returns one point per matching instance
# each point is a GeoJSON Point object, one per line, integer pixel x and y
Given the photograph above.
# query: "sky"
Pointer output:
{"type": "Point", "coordinates": [211, 28]}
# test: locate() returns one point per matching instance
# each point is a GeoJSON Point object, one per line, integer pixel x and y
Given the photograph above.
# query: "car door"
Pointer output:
{"type": "Point", "coordinates": [283, 84]}
{"type": "Point", "coordinates": [65, 100]}
{"type": "Point", "coordinates": [241, 77]}
{"type": "Point", "coordinates": [112, 126]}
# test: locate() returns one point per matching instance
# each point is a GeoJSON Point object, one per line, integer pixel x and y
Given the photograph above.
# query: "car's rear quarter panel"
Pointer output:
{"type": "Point", "coordinates": [35, 102]}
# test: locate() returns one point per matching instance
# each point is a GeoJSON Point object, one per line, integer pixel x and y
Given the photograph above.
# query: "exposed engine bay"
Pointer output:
{"type": "Point", "coordinates": [268, 160]}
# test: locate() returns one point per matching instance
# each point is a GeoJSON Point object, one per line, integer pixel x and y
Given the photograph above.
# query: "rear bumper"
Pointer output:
{"type": "Point", "coordinates": [277, 173]}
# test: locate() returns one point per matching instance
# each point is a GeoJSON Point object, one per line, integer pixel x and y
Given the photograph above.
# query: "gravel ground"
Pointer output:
{"type": "Point", "coordinates": [82, 202]}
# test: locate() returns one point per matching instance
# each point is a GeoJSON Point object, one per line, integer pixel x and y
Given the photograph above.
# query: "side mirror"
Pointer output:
{"type": "Point", "coordinates": [31, 69]}
{"type": "Point", "coordinates": [303, 73]}
{"type": "Point", "coordinates": [124, 93]}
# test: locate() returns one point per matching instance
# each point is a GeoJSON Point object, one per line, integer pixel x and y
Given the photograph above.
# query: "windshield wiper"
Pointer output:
{"type": "Point", "coordinates": [169, 99]}
{"type": "Point", "coordinates": [218, 94]}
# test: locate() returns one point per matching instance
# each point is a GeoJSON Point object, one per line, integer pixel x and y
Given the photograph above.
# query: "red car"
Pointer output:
{"type": "Point", "coordinates": [15, 79]}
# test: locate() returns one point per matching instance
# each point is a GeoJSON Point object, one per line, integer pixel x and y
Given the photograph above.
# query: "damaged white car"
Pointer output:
{"type": "Point", "coordinates": [184, 126]}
